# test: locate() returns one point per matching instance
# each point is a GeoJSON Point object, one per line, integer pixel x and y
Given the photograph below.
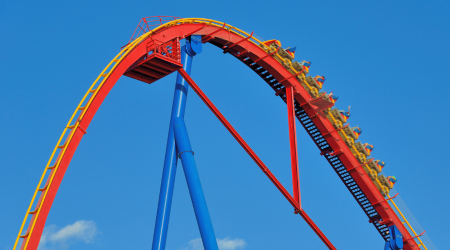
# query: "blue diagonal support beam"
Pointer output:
{"type": "Point", "coordinates": [193, 46]}
{"type": "Point", "coordinates": [195, 188]}
{"type": "Point", "coordinates": [188, 51]}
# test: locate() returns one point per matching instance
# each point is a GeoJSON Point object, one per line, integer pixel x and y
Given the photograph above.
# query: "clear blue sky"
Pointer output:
{"type": "Point", "coordinates": [388, 60]}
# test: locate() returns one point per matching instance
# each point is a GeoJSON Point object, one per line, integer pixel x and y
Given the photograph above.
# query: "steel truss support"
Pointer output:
{"type": "Point", "coordinates": [257, 160]}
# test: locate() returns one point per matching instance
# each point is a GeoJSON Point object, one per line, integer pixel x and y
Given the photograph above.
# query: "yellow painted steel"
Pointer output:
{"type": "Point", "coordinates": [73, 128]}
{"type": "Point", "coordinates": [104, 75]}
{"type": "Point", "coordinates": [407, 222]}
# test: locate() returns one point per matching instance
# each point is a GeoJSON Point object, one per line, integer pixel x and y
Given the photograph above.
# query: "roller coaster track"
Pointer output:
{"type": "Point", "coordinates": [322, 144]}
{"type": "Point", "coordinates": [253, 53]}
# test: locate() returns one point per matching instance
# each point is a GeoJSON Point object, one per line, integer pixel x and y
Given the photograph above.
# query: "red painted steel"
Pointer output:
{"type": "Point", "coordinates": [316, 229]}
{"type": "Point", "coordinates": [236, 135]}
{"type": "Point", "coordinates": [389, 198]}
{"type": "Point", "coordinates": [221, 37]}
{"type": "Point", "coordinates": [419, 235]}
{"type": "Point", "coordinates": [74, 142]}
{"type": "Point", "coordinates": [293, 144]}
{"type": "Point", "coordinates": [258, 161]}
{"type": "Point", "coordinates": [226, 48]}
{"type": "Point", "coordinates": [147, 23]}
{"type": "Point", "coordinates": [162, 59]}
{"type": "Point", "coordinates": [208, 37]}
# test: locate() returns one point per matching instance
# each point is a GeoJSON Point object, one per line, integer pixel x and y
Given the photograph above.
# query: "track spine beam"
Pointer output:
{"type": "Point", "coordinates": [323, 145]}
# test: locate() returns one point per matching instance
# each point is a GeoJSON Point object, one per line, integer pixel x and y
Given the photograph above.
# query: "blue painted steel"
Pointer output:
{"type": "Point", "coordinates": [396, 241]}
{"type": "Point", "coordinates": [387, 246]}
{"type": "Point", "coordinates": [194, 45]}
{"type": "Point", "coordinates": [170, 160]}
{"type": "Point", "coordinates": [194, 185]}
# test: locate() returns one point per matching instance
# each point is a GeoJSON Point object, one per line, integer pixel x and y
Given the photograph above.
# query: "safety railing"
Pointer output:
{"type": "Point", "coordinates": [148, 23]}
{"type": "Point", "coordinates": [170, 49]}
{"type": "Point", "coordinates": [412, 224]}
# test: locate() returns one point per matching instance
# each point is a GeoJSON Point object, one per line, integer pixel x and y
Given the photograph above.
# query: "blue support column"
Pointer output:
{"type": "Point", "coordinates": [170, 161]}
{"type": "Point", "coordinates": [195, 188]}
{"type": "Point", "coordinates": [396, 240]}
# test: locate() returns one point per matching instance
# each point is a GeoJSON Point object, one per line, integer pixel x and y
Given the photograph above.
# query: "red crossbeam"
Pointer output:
{"type": "Point", "coordinates": [316, 229]}
{"type": "Point", "coordinates": [236, 135]}
{"type": "Point", "coordinates": [418, 235]}
{"type": "Point", "coordinates": [253, 155]}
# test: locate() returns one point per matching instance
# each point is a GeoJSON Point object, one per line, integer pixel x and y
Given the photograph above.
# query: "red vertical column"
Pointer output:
{"type": "Point", "coordinates": [293, 144]}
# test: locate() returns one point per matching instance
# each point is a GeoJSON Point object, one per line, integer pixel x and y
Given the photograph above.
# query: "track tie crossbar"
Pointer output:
{"type": "Point", "coordinates": [44, 188]}
{"type": "Point", "coordinates": [25, 235]}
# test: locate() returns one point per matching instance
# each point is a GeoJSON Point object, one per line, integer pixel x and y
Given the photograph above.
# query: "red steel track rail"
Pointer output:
{"type": "Point", "coordinates": [219, 35]}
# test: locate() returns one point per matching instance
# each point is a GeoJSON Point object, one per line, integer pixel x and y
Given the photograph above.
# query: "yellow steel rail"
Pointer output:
{"type": "Point", "coordinates": [94, 92]}
{"type": "Point", "coordinates": [63, 147]}
{"type": "Point", "coordinates": [407, 222]}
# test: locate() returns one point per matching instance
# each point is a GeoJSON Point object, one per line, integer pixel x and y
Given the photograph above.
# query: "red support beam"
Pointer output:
{"type": "Point", "coordinates": [253, 155]}
{"type": "Point", "coordinates": [316, 229]}
{"type": "Point", "coordinates": [236, 135]}
{"type": "Point", "coordinates": [293, 144]}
